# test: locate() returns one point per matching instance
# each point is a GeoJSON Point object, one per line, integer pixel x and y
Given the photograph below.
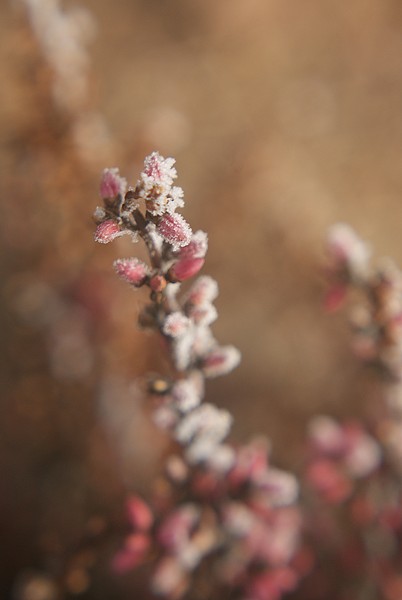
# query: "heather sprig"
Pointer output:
{"type": "Point", "coordinates": [218, 506]}
{"type": "Point", "coordinates": [353, 484]}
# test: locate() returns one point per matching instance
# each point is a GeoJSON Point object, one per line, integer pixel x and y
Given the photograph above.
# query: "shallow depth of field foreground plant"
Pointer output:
{"type": "Point", "coordinates": [223, 522]}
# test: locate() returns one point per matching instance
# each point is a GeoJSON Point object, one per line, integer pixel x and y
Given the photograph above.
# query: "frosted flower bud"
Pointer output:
{"type": "Point", "coordinates": [182, 350]}
{"type": "Point", "coordinates": [335, 297]}
{"type": "Point", "coordinates": [165, 417]}
{"type": "Point", "coordinates": [176, 469]}
{"type": "Point", "coordinates": [132, 554]}
{"type": "Point", "coordinates": [203, 291]}
{"type": "Point", "coordinates": [176, 325]}
{"type": "Point", "coordinates": [139, 513]}
{"type": "Point", "coordinates": [206, 421]}
{"type": "Point", "coordinates": [220, 361]}
{"type": "Point", "coordinates": [155, 185]}
{"type": "Point", "coordinates": [222, 459]}
{"type": "Point", "coordinates": [176, 527]}
{"type": "Point", "coordinates": [326, 435]}
{"type": "Point", "coordinates": [364, 455]}
{"type": "Point", "coordinates": [157, 283]}
{"type": "Point", "coordinates": [327, 479]}
{"type": "Point", "coordinates": [197, 248]}
{"type": "Point", "coordinates": [238, 518]}
{"type": "Point", "coordinates": [169, 578]}
{"type": "Point", "coordinates": [204, 314]}
{"type": "Point", "coordinates": [175, 230]}
{"type": "Point", "coordinates": [99, 214]}
{"type": "Point", "coordinates": [158, 170]}
{"type": "Point", "coordinates": [185, 268]}
{"type": "Point", "coordinates": [201, 450]}
{"type": "Point", "coordinates": [282, 487]}
{"type": "Point", "coordinates": [112, 184]}
{"type": "Point", "coordinates": [186, 395]}
{"type": "Point", "coordinates": [108, 231]}
{"type": "Point", "coordinates": [346, 247]}
{"type": "Point", "coordinates": [132, 270]}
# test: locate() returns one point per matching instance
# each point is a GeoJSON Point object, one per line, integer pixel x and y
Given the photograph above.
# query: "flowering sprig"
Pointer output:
{"type": "Point", "coordinates": [353, 478]}
{"type": "Point", "coordinates": [218, 506]}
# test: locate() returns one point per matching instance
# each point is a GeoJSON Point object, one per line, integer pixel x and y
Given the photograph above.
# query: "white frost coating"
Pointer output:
{"type": "Point", "coordinates": [221, 360]}
{"type": "Point", "coordinates": [204, 290]}
{"type": "Point", "coordinates": [155, 185]}
{"type": "Point", "coordinates": [345, 245]}
{"type": "Point", "coordinates": [206, 420]}
{"type": "Point", "coordinates": [176, 325]}
{"type": "Point", "coordinates": [282, 487]}
{"type": "Point", "coordinates": [186, 395]}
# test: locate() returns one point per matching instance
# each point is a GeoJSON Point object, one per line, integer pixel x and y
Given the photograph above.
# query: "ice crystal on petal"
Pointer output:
{"type": "Point", "coordinates": [175, 230]}
{"type": "Point", "coordinates": [198, 246]}
{"type": "Point", "coordinates": [107, 231]}
{"type": "Point", "coordinates": [155, 185]}
{"type": "Point", "coordinates": [176, 198]}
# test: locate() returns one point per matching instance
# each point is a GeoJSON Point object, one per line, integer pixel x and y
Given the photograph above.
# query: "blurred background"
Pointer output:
{"type": "Point", "coordinates": [283, 118]}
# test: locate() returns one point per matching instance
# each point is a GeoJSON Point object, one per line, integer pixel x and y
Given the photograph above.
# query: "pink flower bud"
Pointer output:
{"type": "Point", "coordinates": [139, 513]}
{"type": "Point", "coordinates": [280, 487]}
{"type": "Point", "coordinates": [157, 283]}
{"type": "Point", "coordinates": [186, 268]}
{"type": "Point", "coordinates": [329, 481]}
{"type": "Point", "coordinates": [112, 184]}
{"type": "Point", "coordinates": [197, 248]}
{"type": "Point", "coordinates": [326, 436]}
{"type": "Point", "coordinates": [107, 231]}
{"type": "Point", "coordinates": [176, 527]}
{"type": "Point", "coordinates": [175, 230]}
{"type": "Point", "coordinates": [169, 578]}
{"type": "Point", "coordinates": [176, 325]}
{"type": "Point", "coordinates": [335, 297]}
{"type": "Point", "coordinates": [203, 291]}
{"type": "Point", "coordinates": [133, 553]}
{"type": "Point", "coordinates": [265, 586]}
{"type": "Point", "coordinates": [221, 361]}
{"type": "Point", "coordinates": [132, 270]}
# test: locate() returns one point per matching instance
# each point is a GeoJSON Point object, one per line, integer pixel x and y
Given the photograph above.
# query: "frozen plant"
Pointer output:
{"type": "Point", "coordinates": [224, 521]}
{"type": "Point", "coordinates": [353, 484]}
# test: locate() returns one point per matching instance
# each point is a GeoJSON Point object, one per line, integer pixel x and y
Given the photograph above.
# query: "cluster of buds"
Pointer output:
{"type": "Point", "coordinates": [240, 521]}
{"type": "Point", "coordinates": [217, 506]}
{"type": "Point", "coordinates": [353, 477]}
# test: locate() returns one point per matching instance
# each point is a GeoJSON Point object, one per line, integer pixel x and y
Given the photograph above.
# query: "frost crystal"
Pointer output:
{"type": "Point", "coordinates": [155, 185]}
{"type": "Point", "coordinates": [132, 270]}
{"type": "Point", "coordinates": [175, 230]}
{"type": "Point", "coordinates": [112, 184]}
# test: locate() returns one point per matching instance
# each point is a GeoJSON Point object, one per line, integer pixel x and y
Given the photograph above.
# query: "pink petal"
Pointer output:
{"type": "Point", "coordinates": [186, 268]}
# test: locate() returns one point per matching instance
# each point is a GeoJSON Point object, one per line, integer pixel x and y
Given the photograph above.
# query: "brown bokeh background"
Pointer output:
{"type": "Point", "coordinates": [284, 117]}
